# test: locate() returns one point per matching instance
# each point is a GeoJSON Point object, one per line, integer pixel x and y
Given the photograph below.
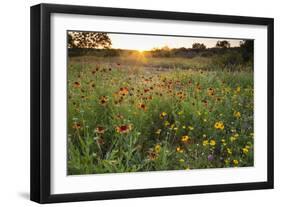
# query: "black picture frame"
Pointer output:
{"type": "Point", "coordinates": [41, 96]}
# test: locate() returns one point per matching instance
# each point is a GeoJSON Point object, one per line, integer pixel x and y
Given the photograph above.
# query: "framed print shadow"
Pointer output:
{"type": "Point", "coordinates": [121, 99]}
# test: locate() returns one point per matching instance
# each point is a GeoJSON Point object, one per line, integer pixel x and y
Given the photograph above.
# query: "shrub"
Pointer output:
{"type": "Point", "coordinates": [229, 60]}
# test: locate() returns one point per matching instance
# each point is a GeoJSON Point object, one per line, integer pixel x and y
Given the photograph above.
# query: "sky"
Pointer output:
{"type": "Point", "coordinates": [147, 42]}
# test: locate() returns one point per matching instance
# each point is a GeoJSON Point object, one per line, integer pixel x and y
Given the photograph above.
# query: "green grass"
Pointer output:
{"type": "Point", "coordinates": [130, 114]}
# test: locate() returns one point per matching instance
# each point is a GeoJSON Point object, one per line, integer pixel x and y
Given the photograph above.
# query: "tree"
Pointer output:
{"type": "Point", "coordinates": [165, 48]}
{"type": "Point", "coordinates": [88, 40]}
{"type": "Point", "coordinates": [198, 46]}
{"type": "Point", "coordinates": [247, 47]}
{"type": "Point", "coordinates": [223, 44]}
{"type": "Point", "coordinates": [161, 52]}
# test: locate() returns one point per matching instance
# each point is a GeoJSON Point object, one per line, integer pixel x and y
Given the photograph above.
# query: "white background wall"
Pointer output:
{"type": "Point", "coordinates": [14, 102]}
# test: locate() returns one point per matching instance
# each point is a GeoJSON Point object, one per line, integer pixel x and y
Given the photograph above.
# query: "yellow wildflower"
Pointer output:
{"type": "Point", "coordinates": [180, 113]}
{"type": "Point", "coordinates": [158, 131]}
{"type": "Point", "coordinates": [237, 114]}
{"type": "Point", "coordinates": [185, 138]}
{"type": "Point", "coordinates": [238, 89]}
{"type": "Point", "coordinates": [179, 149]}
{"type": "Point", "coordinates": [157, 148]}
{"type": "Point", "coordinates": [163, 114]}
{"type": "Point", "coordinates": [229, 151]}
{"type": "Point", "coordinates": [219, 125]}
{"type": "Point", "coordinates": [212, 142]}
{"type": "Point", "coordinates": [205, 143]}
{"type": "Point", "coordinates": [166, 123]}
{"type": "Point", "coordinates": [245, 150]}
{"type": "Point", "coordinates": [232, 138]}
{"type": "Point", "coordinates": [235, 162]}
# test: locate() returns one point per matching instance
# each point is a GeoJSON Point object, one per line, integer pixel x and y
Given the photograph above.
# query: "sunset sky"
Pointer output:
{"type": "Point", "coordinates": [147, 42]}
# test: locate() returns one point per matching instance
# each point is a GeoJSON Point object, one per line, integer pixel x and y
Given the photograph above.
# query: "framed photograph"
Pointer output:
{"type": "Point", "coordinates": [123, 99]}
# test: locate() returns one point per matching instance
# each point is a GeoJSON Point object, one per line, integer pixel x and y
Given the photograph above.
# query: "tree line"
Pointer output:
{"type": "Point", "coordinates": [93, 42]}
{"type": "Point", "coordinates": [102, 40]}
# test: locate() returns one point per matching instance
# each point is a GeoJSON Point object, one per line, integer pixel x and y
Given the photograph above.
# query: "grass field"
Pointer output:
{"type": "Point", "coordinates": [139, 114]}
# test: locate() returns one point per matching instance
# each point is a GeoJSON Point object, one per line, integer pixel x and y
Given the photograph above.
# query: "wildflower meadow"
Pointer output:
{"type": "Point", "coordinates": [142, 111]}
